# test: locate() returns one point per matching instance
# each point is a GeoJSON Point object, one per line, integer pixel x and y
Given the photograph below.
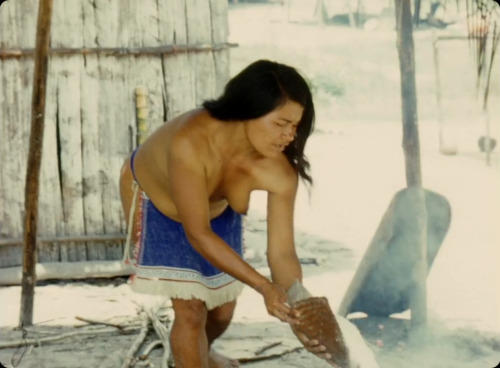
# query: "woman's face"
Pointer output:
{"type": "Point", "coordinates": [271, 133]}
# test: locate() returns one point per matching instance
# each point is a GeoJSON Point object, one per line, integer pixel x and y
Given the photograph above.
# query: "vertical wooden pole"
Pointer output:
{"type": "Point", "coordinates": [411, 146]}
{"type": "Point", "coordinates": [141, 113]}
{"type": "Point", "coordinates": [406, 54]}
{"type": "Point", "coordinates": [416, 12]}
{"type": "Point", "coordinates": [34, 161]}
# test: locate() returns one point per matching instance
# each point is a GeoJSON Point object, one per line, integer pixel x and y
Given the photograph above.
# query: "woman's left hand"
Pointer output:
{"type": "Point", "coordinates": [275, 299]}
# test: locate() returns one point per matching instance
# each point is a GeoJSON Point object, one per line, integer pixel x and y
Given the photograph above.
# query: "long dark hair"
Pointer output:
{"type": "Point", "coordinates": [259, 89]}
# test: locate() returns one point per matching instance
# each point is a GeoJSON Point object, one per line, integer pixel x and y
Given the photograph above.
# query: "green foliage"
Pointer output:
{"type": "Point", "coordinates": [326, 85]}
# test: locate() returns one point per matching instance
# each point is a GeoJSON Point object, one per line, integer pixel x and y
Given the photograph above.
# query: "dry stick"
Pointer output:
{"type": "Point", "coordinates": [34, 161]}
{"type": "Point", "coordinates": [95, 322]}
{"type": "Point", "coordinates": [38, 341]}
{"type": "Point", "coordinates": [129, 358]}
{"type": "Point", "coordinates": [269, 357]}
{"type": "Point", "coordinates": [267, 347]}
{"type": "Point", "coordinates": [164, 334]}
{"type": "Point", "coordinates": [150, 347]}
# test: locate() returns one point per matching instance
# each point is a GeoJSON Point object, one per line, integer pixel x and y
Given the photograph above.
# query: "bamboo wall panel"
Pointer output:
{"type": "Point", "coordinates": [220, 33]}
{"type": "Point", "coordinates": [90, 123]}
{"type": "Point", "coordinates": [51, 218]}
{"type": "Point", "coordinates": [91, 157]}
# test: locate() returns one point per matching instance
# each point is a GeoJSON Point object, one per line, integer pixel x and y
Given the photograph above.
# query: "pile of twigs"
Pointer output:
{"type": "Point", "coordinates": [137, 355]}
{"type": "Point", "coordinates": [160, 326]}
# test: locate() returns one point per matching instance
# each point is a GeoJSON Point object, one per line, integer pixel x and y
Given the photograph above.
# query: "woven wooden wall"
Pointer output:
{"type": "Point", "coordinates": [101, 51]}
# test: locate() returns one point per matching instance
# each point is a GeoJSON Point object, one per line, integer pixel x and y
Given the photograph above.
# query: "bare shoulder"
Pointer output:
{"type": "Point", "coordinates": [189, 135]}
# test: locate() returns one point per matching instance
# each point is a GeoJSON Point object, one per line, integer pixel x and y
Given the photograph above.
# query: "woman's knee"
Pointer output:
{"type": "Point", "coordinates": [190, 313]}
{"type": "Point", "coordinates": [222, 314]}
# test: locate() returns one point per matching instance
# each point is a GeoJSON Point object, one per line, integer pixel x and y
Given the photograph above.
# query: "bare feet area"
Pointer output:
{"type": "Point", "coordinates": [216, 360]}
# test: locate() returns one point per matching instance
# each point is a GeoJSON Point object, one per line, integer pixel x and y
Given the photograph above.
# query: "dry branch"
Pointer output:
{"type": "Point", "coordinates": [38, 341]}
{"type": "Point", "coordinates": [34, 163]}
{"type": "Point", "coordinates": [269, 357]}
{"type": "Point", "coordinates": [95, 322]}
{"type": "Point", "coordinates": [151, 347]}
{"type": "Point", "coordinates": [267, 347]}
{"type": "Point", "coordinates": [130, 357]}
{"type": "Point", "coordinates": [163, 333]}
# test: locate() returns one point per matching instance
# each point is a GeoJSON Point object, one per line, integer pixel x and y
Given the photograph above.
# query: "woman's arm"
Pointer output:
{"type": "Point", "coordinates": [188, 184]}
{"type": "Point", "coordinates": [281, 253]}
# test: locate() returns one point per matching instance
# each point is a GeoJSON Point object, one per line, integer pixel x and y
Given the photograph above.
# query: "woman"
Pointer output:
{"type": "Point", "coordinates": [196, 173]}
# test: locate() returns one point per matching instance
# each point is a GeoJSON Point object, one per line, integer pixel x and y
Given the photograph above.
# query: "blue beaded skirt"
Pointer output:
{"type": "Point", "coordinates": [167, 264]}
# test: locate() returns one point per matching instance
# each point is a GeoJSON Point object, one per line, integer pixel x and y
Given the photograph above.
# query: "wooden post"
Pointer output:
{"type": "Point", "coordinates": [416, 12]}
{"type": "Point", "coordinates": [411, 146]}
{"type": "Point", "coordinates": [141, 113]}
{"type": "Point", "coordinates": [408, 93]}
{"type": "Point", "coordinates": [34, 161]}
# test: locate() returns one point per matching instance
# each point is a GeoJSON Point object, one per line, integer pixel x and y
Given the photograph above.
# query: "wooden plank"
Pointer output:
{"type": "Point", "coordinates": [51, 216]}
{"type": "Point", "coordinates": [106, 22]}
{"type": "Point", "coordinates": [11, 256]}
{"type": "Point", "coordinates": [67, 24]}
{"type": "Point", "coordinates": [180, 28]}
{"type": "Point", "coordinates": [93, 32]}
{"type": "Point", "coordinates": [89, 24]}
{"type": "Point", "coordinates": [4, 150]}
{"type": "Point", "coordinates": [70, 155]}
{"type": "Point", "coordinates": [166, 33]}
{"type": "Point", "coordinates": [199, 30]}
{"type": "Point", "coordinates": [220, 32]}
{"type": "Point", "coordinates": [90, 187]}
{"type": "Point", "coordinates": [11, 144]}
{"type": "Point", "coordinates": [166, 21]}
{"type": "Point", "coordinates": [179, 90]}
{"type": "Point", "coordinates": [17, 129]}
{"type": "Point", "coordinates": [143, 23]}
{"type": "Point", "coordinates": [179, 94]}
{"type": "Point", "coordinates": [109, 71]}
{"type": "Point", "coordinates": [91, 157]}
{"type": "Point", "coordinates": [152, 72]}
{"type": "Point", "coordinates": [112, 19]}
{"type": "Point", "coordinates": [8, 24]}
{"type": "Point", "coordinates": [27, 11]}
{"type": "Point", "coordinates": [14, 164]}
{"type": "Point", "coordinates": [117, 52]}
{"type": "Point", "coordinates": [46, 223]}
{"type": "Point", "coordinates": [67, 19]}
{"type": "Point", "coordinates": [68, 270]}
{"type": "Point", "coordinates": [4, 142]}
{"type": "Point", "coordinates": [147, 71]}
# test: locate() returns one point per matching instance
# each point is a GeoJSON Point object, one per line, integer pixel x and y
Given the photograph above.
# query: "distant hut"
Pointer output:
{"type": "Point", "coordinates": [101, 50]}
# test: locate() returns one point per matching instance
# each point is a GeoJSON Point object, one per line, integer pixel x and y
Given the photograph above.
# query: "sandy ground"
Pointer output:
{"type": "Point", "coordinates": [358, 166]}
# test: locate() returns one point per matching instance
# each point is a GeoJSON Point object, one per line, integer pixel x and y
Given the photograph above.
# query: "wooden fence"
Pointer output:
{"type": "Point", "coordinates": [101, 51]}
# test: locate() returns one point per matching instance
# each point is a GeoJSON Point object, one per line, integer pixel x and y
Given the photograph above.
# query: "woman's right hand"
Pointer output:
{"type": "Point", "coordinates": [275, 299]}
